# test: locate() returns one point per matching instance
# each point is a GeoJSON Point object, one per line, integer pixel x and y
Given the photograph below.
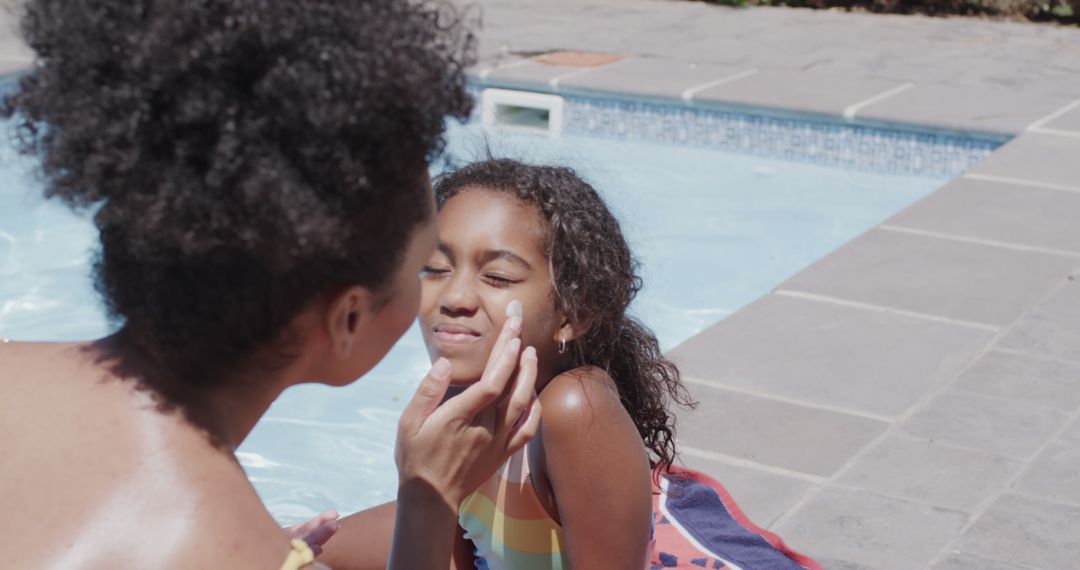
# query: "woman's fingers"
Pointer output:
{"type": "Point", "coordinates": [522, 394]}
{"type": "Point", "coordinates": [455, 446]}
{"type": "Point", "coordinates": [511, 328]}
{"type": "Point", "coordinates": [477, 399]}
{"type": "Point", "coordinates": [428, 395]}
{"type": "Point", "coordinates": [474, 401]}
{"type": "Point", "coordinates": [526, 429]}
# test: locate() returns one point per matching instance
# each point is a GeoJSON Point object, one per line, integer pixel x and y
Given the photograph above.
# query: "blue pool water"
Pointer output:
{"type": "Point", "coordinates": [713, 231]}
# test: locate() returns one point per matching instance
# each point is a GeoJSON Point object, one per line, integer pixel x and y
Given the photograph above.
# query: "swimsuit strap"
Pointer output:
{"type": "Point", "coordinates": [299, 557]}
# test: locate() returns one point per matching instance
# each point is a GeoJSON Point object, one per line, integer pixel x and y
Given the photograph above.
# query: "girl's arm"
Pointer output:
{"type": "Point", "coordinates": [363, 541]}
{"type": "Point", "coordinates": [463, 558]}
{"type": "Point", "coordinates": [598, 470]}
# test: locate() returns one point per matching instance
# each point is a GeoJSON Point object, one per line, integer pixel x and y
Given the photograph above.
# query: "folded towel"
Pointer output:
{"type": "Point", "coordinates": [698, 525]}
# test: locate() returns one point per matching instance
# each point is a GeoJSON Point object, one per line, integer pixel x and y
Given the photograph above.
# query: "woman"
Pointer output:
{"type": "Point", "coordinates": [257, 172]}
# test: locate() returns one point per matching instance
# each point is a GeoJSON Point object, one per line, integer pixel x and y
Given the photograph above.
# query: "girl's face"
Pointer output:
{"type": "Point", "coordinates": [489, 253]}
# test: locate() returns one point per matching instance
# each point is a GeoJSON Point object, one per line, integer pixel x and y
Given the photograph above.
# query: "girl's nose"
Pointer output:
{"type": "Point", "coordinates": [459, 296]}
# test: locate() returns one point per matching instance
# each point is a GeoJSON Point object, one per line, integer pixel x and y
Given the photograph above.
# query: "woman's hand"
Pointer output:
{"type": "Point", "coordinates": [455, 447]}
{"type": "Point", "coordinates": [445, 452]}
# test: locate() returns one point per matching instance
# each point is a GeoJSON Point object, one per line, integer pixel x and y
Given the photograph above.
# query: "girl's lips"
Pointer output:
{"type": "Point", "coordinates": [453, 334]}
{"type": "Point", "coordinates": [455, 338]}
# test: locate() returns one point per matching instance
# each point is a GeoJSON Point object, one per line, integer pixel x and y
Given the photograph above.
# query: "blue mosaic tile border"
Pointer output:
{"type": "Point", "coordinates": [849, 146]}
{"type": "Point", "coordinates": [856, 147]}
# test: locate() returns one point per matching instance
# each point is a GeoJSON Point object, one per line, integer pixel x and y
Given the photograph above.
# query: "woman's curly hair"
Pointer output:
{"type": "Point", "coordinates": [241, 157]}
{"type": "Point", "coordinates": [595, 278]}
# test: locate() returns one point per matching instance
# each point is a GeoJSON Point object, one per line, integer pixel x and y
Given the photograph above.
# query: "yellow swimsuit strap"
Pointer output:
{"type": "Point", "coordinates": [300, 555]}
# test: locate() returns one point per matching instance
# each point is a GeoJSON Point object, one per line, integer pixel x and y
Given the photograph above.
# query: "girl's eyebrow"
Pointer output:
{"type": "Point", "coordinates": [445, 250]}
{"type": "Point", "coordinates": [490, 255]}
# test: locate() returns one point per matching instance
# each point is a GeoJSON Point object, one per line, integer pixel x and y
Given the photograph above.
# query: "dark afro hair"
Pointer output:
{"type": "Point", "coordinates": [243, 157]}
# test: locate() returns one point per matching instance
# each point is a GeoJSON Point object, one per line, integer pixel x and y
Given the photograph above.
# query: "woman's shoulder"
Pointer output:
{"type": "Point", "coordinates": [100, 464]}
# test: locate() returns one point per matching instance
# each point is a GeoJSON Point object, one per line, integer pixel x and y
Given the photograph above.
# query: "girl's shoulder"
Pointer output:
{"type": "Point", "coordinates": [582, 399]}
{"type": "Point", "coordinates": [589, 453]}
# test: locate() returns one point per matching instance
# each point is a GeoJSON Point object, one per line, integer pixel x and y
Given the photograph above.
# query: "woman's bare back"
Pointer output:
{"type": "Point", "coordinates": [94, 474]}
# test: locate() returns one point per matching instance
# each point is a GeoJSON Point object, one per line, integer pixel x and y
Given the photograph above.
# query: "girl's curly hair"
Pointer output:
{"type": "Point", "coordinates": [242, 157]}
{"type": "Point", "coordinates": [595, 279]}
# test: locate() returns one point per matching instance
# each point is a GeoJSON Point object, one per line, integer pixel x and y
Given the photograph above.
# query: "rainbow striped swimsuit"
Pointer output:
{"type": "Point", "coordinates": [507, 524]}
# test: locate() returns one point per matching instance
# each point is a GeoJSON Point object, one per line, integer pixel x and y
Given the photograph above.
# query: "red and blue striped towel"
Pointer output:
{"type": "Point", "coordinates": [698, 525]}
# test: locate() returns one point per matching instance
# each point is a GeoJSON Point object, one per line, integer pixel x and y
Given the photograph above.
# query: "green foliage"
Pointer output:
{"type": "Point", "coordinates": [1061, 11]}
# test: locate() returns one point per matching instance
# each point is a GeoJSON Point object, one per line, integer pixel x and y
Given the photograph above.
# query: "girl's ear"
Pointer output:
{"type": "Point", "coordinates": [570, 331]}
{"type": "Point", "coordinates": [347, 314]}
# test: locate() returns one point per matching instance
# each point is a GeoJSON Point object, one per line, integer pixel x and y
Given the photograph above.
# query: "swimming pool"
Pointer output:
{"type": "Point", "coordinates": [713, 230]}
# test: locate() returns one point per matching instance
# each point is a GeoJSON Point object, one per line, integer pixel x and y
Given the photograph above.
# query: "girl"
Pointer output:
{"type": "Point", "coordinates": [579, 496]}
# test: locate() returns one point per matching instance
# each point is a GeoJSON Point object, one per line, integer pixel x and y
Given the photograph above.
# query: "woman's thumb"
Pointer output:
{"type": "Point", "coordinates": [429, 394]}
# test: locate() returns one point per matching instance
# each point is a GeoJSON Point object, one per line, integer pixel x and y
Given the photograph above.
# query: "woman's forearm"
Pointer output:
{"type": "Point", "coordinates": [424, 530]}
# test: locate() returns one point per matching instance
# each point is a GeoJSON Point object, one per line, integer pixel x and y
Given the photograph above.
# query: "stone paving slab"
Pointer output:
{"type": "Point", "coordinates": [1051, 330]}
{"type": "Point", "coordinates": [1027, 531]}
{"type": "Point", "coordinates": [805, 92]}
{"type": "Point", "coordinates": [12, 48]}
{"type": "Point", "coordinates": [1072, 433]}
{"type": "Point", "coordinates": [11, 66]}
{"type": "Point", "coordinates": [930, 472]}
{"type": "Point", "coordinates": [1054, 474]}
{"type": "Point", "coordinates": [1068, 121]}
{"type": "Point", "coordinates": [1023, 378]}
{"type": "Point", "coordinates": [529, 74]}
{"type": "Point", "coordinates": [1037, 158]}
{"type": "Point", "coordinates": [789, 347]}
{"type": "Point", "coordinates": [666, 78]}
{"type": "Point", "coordinates": [999, 212]}
{"type": "Point", "coordinates": [772, 432]}
{"type": "Point", "coordinates": [961, 561]}
{"type": "Point", "coordinates": [1000, 426]}
{"type": "Point", "coordinates": [763, 496]}
{"type": "Point", "coordinates": [874, 531]}
{"type": "Point", "coordinates": [935, 276]}
{"type": "Point", "coordinates": [962, 107]}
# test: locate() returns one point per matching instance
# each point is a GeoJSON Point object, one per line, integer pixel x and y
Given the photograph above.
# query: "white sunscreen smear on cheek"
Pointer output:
{"type": "Point", "coordinates": [513, 309]}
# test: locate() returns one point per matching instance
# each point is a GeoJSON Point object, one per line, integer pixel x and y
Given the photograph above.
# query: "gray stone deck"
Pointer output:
{"type": "Point", "coordinates": [913, 399]}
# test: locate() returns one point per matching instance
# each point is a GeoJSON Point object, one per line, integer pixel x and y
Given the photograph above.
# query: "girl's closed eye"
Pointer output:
{"type": "Point", "coordinates": [433, 271]}
{"type": "Point", "coordinates": [498, 280]}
